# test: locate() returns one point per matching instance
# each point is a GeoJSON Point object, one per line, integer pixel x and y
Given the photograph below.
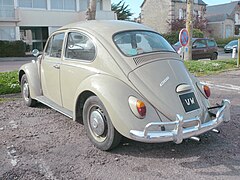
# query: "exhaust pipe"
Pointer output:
{"type": "Point", "coordinates": [195, 138]}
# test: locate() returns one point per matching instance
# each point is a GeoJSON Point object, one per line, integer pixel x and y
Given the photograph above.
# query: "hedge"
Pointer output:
{"type": "Point", "coordinates": [12, 48]}
{"type": "Point", "coordinates": [173, 37]}
{"type": "Point", "coordinates": [221, 42]}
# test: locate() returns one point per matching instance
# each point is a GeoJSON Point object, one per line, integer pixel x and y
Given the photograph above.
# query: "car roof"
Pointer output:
{"type": "Point", "coordinates": [104, 27]}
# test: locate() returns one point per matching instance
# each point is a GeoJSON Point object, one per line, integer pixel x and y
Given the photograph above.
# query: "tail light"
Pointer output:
{"type": "Point", "coordinates": [141, 108]}
{"type": "Point", "coordinates": [207, 91]}
{"type": "Point", "coordinates": [138, 107]}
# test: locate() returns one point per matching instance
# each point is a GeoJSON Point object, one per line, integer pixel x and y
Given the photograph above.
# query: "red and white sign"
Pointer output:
{"type": "Point", "coordinates": [183, 37]}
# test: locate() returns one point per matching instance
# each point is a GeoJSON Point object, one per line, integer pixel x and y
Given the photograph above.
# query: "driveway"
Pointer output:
{"type": "Point", "coordinates": [40, 143]}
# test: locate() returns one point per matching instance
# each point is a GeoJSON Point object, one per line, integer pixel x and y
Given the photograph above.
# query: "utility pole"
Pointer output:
{"type": "Point", "coordinates": [189, 27]}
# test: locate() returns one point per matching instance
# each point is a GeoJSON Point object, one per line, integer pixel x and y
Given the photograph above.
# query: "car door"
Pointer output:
{"type": "Point", "coordinates": [77, 65]}
{"type": "Point", "coordinates": [199, 49]}
{"type": "Point", "coordinates": [212, 47]}
{"type": "Point", "coordinates": [50, 68]}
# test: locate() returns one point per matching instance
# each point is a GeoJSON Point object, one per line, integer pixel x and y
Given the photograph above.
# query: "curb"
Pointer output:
{"type": "Point", "coordinates": [27, 58]}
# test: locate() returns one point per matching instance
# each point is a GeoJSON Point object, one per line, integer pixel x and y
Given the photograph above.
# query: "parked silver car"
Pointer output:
{"type": "Point", "coordinates": [120, 79]}
{"type": "Point", "coordinates": [229, 47]}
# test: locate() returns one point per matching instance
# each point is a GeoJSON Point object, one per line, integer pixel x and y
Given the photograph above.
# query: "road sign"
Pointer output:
{"type": "Point", "coordinates": [183, 37]}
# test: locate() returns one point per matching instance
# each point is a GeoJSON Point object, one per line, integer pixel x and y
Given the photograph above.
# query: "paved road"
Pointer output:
{"type": "Point", "coordinates": [40, 143]}
{"type": "Point", "coordinates": [11, 64]}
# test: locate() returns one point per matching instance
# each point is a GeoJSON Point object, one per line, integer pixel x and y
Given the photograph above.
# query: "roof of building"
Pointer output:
{"type": "Point", "coordinates": [221, 12]}
{"type": "Point", "coordinates": [217, 18]}
{"type": "Point", "coordinates": [227, 8]}
{"type": "Point", "coordinates": [201, 2]}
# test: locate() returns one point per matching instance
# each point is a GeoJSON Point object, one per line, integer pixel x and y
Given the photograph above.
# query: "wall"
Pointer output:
{"type": "Point", "coordinates": [155, 15]}
{"type": "Point", "coordinates": [219, 29]}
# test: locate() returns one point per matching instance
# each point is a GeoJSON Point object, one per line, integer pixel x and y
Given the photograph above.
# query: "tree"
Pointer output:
{"type": "Point", "coordinates": [198, 23]}
{"type": "Point", "coordinates": [91, 12]}
{"type": "Point", "coordinates": [122, 10]}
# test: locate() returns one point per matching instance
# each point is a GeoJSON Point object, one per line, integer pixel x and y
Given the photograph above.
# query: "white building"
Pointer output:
{"type": "Point", "coordinates": [34, 20]}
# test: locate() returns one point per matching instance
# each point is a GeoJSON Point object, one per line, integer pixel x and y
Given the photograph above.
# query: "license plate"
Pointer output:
{"type": "Point", "coordinates": [189, 101]}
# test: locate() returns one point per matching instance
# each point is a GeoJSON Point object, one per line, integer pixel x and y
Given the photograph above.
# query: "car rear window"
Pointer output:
{"type": "Point", "coordinates": [132, 43]}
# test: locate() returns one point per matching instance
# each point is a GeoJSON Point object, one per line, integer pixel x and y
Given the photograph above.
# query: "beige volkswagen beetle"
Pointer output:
{"type": "Point", "coordinates": [120, 79]}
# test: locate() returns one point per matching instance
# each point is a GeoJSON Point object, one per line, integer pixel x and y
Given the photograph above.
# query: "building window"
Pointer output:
{"type": "Point", "coordinates": [180, 14]}
{"type": "Point", "coordinates": [236, 18]}
{"type": "Point", "coordinates": [99, 5]}
{"type": "Point", "coordinates": [6, 8]}
{"type": "Point", "coordinates": [7, 33]}
{"type": "Point", "coordinates": [63, 4]}
{"type": "Point", "coordinates": [83, 5]}
{"type": "Point", "coordinates": [199, 14]}
{"type": "Point", "coordinates": [41, 4]}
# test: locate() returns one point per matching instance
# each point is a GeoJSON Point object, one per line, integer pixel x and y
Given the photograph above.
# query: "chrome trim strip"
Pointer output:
{"type": "Point", "coordinates": [54, 106]}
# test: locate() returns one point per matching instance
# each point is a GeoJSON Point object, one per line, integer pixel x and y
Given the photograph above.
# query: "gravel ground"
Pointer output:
{"type": "Point", "coordinates": [40, 143]}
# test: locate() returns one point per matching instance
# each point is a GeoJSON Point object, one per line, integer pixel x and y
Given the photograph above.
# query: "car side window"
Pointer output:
{"type": "Point", "coordinates": [79, 46]}
{"type": "Point", "coordinates": [54, 47]}
{"type": "Point", "coordinates": [211, 43]}
{"type": "Point", "coordinates": [199, 44]}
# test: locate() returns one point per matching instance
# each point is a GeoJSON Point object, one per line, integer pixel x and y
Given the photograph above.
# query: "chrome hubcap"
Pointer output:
{"type": "Point", "coordinates": [97, 122]}
{"type": "Point", "coordinates": [25, 91]}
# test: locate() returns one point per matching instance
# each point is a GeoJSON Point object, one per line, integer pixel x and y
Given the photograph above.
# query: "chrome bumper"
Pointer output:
{"type": "Point", "coordinates": [179, 132]}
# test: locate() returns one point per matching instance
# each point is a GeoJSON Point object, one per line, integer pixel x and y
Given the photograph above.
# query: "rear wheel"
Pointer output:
{"type": "Point", "coordinates": [214, 56]}
{"type": "Point", "coordinates": [98, 125]}
{"type": "Point", "coordinates": [26, 92]}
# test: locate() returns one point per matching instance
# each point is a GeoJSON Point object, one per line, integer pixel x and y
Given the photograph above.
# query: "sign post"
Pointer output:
{"type": "Point", "coordinates": [238, 59]}
{"type": "Point", "coordinates": [183, 39]}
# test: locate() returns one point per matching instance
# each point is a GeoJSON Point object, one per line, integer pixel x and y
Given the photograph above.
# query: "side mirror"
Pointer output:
{"type": "Point", "coordinates": [35, 52]}
{"type": "Point", "coordinates": [194, 46]}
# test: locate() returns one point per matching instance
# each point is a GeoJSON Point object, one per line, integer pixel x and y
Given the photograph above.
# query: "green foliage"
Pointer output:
{"type": "Point", "coordinates": [12, 48]}
{"type": "Point", "coordinates": [173, 37]}
{"type": "Point", "coordinates": [197, 33]}
{"type": "Point", "coordinates": [221, 42]}
{"type": "Point", "coordinates": [122, 10]}
{"type": "Point", "coordinates": [9, 83]}
{"type": "Point", "coordinates": [200, 68]}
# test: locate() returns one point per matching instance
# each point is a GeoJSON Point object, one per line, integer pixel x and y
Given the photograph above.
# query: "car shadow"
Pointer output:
{"type": "Point", "coordinates": [212, 151]}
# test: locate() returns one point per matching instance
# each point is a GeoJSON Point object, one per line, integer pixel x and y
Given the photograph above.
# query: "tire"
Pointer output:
{"type": "Point", "coordinates": [98, 125]}
{"type": "Point", "coordinates": [26, 92]}
{"type": "Point", "coordinates": [214, 56]}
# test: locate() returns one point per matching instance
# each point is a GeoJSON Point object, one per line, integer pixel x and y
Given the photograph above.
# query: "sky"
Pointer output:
{"type": "Point", "coordinates": [134, 5]}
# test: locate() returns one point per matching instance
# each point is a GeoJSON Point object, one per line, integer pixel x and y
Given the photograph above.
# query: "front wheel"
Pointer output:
{"type": "Point", "coordinates": [98, 125]}
{"type": "Point", "coordinates": [26, 92]}
{"type": "Point", "coordinates": [214, 56]}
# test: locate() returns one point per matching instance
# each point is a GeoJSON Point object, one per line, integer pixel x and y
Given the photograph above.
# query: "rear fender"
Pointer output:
{"type": "Point", "coordinates": [32, 73]}
{"type": "Point", "coordinates": [114, 94]}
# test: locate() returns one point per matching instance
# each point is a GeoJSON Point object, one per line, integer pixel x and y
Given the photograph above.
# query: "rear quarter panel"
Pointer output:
{"type": "Point", "coordinates": [114, 94]}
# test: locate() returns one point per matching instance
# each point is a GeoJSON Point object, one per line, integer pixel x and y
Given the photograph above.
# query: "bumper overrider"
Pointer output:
{"type": "Point", "coordinates": [179, 132]}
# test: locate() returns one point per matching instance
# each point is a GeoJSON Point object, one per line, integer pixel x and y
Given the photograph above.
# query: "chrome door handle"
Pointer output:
{"type": "Point", "coordinates": [57, 66]}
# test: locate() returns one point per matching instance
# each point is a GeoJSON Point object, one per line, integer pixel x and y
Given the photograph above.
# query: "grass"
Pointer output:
{"type": "Point", "coordinates": [203, 68]}
{"type": "Point", "coordinates": [9, 83]}
{"type": "Point", "coordinates": [9, 80]}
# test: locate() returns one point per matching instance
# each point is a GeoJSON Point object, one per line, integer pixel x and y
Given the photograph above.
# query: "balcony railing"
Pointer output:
{"type": "Point", "coordinates": [101, 15]}
{"type": "Point", "coordinates": [9, 13]}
